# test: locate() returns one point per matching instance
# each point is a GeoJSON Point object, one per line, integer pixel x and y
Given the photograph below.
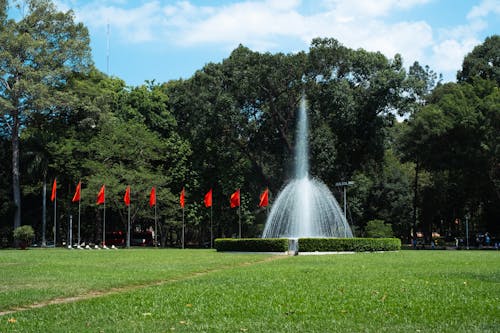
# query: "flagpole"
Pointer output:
{"type": "Point", "coordinates": [70, 232]}
{"type": "Point", "coordinates": [211, 230]}
{"type": "Point", "coordinates": [239, 218]}
{"type": "Point", "coordinates": [44, 212]}
{"type": "Point", "coordinates": [128, 228]}
{"type": "Point", "coordinates": [156, 226]}
{"type": "Point", "coordinates": [104, 225]}
{"type": "Point", "coordinates": [55, 222]}
{"type": "Point", "coordinates": [79, 239]}
{"type": "Point", "coordinates": [183, 228]}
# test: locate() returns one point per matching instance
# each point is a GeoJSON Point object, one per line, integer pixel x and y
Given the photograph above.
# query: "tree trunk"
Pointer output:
{"type": "Point", "coordinates": [16, 187]}
{"type": "Point", "coordinates": [415, 202]}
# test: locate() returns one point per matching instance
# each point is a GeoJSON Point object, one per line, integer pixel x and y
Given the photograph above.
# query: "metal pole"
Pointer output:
{"type": "Point", "coordinates": [345, 202]}
{"type": "Point", "coordinates": [104, 226]}
{"type": "Point", "coordinates": [128, 228]}
{"type": "Point", "coordinates": [345, 210]}
{"type": "Point", "coordinates": [467, 231]}
{"type": "Point", "coordinates": [55, 221]}
{"type": "Point", "coordinates": [79, 238]}
{"type": "Point", "coordinates": [344, 187]}
{"type": "Point", "coordinates": [211, 230]}
{"type": "Point", "coordinates": [44, 212]}
{"type": "Point", "coordinates": [70, 240]}
{"type": "Point", "coordinates": [156, 226]}
{"type": "Point", "coordinates": [107, 51]}
{"type": "Point", "coordinates": [239, 219]}
{"type": "Point", "coordinates": [183, 229]}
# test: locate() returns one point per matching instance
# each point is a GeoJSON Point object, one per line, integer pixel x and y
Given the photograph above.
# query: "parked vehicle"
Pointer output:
{"type": "Point", "coordinates": [116, 238]}
{"type": "Point", "coordinates": [142, 239]}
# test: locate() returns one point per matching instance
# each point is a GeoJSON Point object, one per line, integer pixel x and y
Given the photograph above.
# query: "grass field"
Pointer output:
{"type": "Point", "coordinates": [150, 290]}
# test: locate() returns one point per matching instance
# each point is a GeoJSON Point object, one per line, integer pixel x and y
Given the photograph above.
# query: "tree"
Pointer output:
{"type": "Point", "coordinates": [453, 137]}
{"type": "Point", "coordinates": [378, 229]}
{"type": "Point", "coordinates": [483, 62]}
{"type": "Point", "coordinates": [38, 53]}
{"type": "Point", "coordinates": [353, 93]}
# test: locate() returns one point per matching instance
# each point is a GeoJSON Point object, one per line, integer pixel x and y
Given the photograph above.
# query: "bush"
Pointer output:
{"type": "Point", "coordinates": [252, 244]}
{"type": "Point", "coordinates": [378, 229]}
{"type": "Point", "coordinates": [24, 234]}
{"type": "Point", "coordinates": [348, 244]}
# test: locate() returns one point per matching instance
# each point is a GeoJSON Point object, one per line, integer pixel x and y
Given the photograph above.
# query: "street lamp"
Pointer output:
{"type": "Point", "coordinates": [344, 186]}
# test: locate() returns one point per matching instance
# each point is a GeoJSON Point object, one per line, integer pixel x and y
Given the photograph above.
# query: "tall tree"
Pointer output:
{"type": "Point", "coordinates": [353, 95]}
{"type": "Point", "coordinates": [456, 137]}
{"type": "Point", "coordinates": [38, 53]}
{"type": "Point", "coordinates": [482, 62]}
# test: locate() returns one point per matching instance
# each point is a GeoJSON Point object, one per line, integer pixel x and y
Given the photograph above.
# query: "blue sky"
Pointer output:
{"type": "Point", "coordinates": [169, 39]}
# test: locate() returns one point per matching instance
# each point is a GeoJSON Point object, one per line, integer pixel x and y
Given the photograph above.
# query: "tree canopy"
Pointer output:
{"type": "Point", "coordinates": [421, 153]}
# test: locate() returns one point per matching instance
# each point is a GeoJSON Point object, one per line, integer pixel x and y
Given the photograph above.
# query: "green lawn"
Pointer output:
{"type": "Point", "coordinates": [407, 291]}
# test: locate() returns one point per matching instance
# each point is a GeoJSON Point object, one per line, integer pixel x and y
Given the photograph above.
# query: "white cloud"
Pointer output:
{"type": "Point", "coordinates": [485, 8]}
{"type": "Point", "coordinates": [133, 25]}
{"type": "Point", "coordinates": [370, 8]}
{"type": "Point", "coordinates": [449, 54]}
{"type": "Point", "coordinates": [250, 23]}
{"type": "Point", "coordinates": [452, 44]}
{"type": "Point", "coordinates": [271, 25]}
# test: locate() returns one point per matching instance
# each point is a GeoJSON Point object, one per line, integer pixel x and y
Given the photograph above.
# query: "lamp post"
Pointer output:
{"type": "Point", "coordinates": [344, 187]}
{"type": "Point", "coordinates": [467, 231]}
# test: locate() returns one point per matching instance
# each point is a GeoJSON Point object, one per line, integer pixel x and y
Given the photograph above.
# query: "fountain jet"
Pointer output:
{"type": "Point", "coordinates": [305, 207]}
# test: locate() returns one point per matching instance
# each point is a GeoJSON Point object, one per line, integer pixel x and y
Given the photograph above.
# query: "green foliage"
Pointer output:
{"type": "Point", "coordinates": [39, 53]}
{"type": "Point", "coordinates": [378, 229]}
{"type": "Point", "coordinates": [350, 93]}
{"type": "Point", "coordinates": [252, 244]}
{"type": "Point", "coordinates": [383, 192]}
{"type": "Point", "coordinates": [232, 125]}
{"type": "Point", "coordinates": [24, 233]}
{"type": "Point", "coordinates": [348, 244]}
{"type": "Point", "coordinates": [482, 62]}
{"type": "Point", "coordinates": [452, 137]}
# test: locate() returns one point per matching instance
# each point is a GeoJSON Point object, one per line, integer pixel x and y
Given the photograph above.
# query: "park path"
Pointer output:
{"type": "Point", "coordinates": [95, 294]}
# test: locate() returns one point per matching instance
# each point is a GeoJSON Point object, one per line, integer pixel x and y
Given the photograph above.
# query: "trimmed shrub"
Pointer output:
{"type": "Point", "coordinates": [252, 244]}
{"type": "Point", "coordinates": [24, 234]}
{"type": "Point", "coordinates": [348, 244]}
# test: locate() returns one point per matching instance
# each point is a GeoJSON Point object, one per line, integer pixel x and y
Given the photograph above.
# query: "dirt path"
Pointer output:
{"type": "Point", "coordinates": [112, 291]}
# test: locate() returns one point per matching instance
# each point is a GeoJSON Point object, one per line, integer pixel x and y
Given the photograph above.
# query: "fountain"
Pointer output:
{"type": "Point", "coordinates": [305, 207]}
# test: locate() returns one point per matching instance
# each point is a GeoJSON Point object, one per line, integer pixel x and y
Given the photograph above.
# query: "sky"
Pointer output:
{"type": "Point", "coordinates": [166, 40]}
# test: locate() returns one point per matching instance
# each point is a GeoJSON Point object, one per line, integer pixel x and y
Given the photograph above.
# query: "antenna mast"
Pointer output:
{"type": "Point", "coordinates": [107, 50]}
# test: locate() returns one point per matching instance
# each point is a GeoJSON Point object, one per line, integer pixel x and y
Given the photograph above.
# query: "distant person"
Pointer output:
{"type": "Point", "coordinates": [487, 239]}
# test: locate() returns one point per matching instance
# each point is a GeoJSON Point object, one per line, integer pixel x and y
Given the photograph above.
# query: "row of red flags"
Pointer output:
{"type": "Point", "coordinates": [234, 199]}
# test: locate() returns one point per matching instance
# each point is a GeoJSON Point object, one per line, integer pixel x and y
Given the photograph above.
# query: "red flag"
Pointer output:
{"type": "Point", "coordinates": [76, 197]}
{"type": "Point", "coordinates": [126, 198]}
{"type": "Point", "coordinates": [54, 190]}
{"type": "Point", "coordinates": [152, 197]}
{"type": "Point", "coordinates": [264, 198]}
{"type": "Point", "coordinates": [182, 199]}
{"type": "Point", "coordinates": [235, 199]}
{"type": "Point", "coordinates": [100, 196]}
{"type": "Point", "coordinates": [208, 199]}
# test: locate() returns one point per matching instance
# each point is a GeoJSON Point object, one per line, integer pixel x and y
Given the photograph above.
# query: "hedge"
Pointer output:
{"type": "Point", "coordinates": [252, 244]}
{"type": "Point", "coordinates": [308, 244]}
{"type": "Point", "coordinates": [348, 244]}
